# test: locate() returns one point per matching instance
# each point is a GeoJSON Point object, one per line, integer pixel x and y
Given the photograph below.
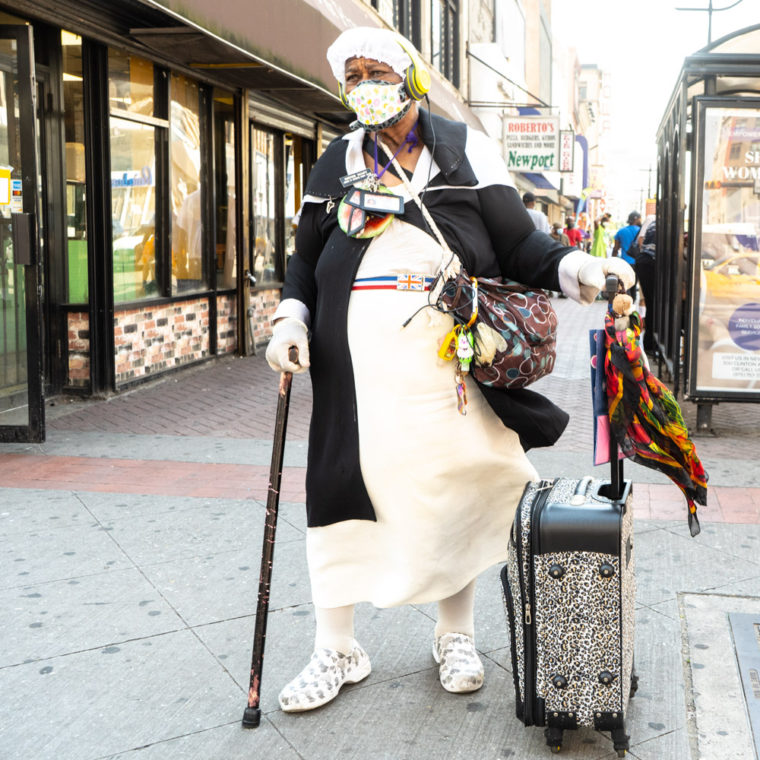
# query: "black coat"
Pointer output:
{"type": "Point", "coordinates": [490, 230]}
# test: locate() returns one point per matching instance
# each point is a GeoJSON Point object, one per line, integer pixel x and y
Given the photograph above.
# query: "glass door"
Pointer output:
{"type": "Point", "coordinates": [21, 402]}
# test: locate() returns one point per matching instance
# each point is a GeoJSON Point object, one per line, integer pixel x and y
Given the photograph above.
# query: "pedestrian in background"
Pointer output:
{"type": "Point", "coordinates": [625, 243]}
{"type": "Point", "coordinates": [408, 499]}
{"type": "Point", "coordinates": [625, 237]}
{"type": "Point", "coordinates": [540, 220]}
{"type": "Point", "coordinates": [559, 235]}
{"type": "Point", "coordinates": [599, 243]}
{"type": "Point", "coordinates": [644, 255]}
{"type": "Point", "coordinates": [574, 235]}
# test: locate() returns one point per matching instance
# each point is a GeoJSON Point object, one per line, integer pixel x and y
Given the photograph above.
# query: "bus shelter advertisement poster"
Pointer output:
{"type": "Point", "coordinates": [728, 351]}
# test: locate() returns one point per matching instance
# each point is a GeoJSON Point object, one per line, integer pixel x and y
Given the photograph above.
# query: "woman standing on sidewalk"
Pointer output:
{"type": "Point", "coordinates": [408, 501]}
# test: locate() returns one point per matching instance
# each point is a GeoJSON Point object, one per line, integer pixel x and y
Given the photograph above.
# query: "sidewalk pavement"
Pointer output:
{"type": "Point", "coordinates": [131, 549]}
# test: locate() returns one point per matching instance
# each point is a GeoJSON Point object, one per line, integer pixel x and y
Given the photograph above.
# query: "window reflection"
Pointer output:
{"type": "Point", "coordinates": [133, 177]}
{"type": "Point", "coordinates": [294, 182]}
{"type": "Point", "coordinates": [130, 83]}
{"type": "Point", "coordinates": [133, 209]}
{"type": "Point", "coordinates": [73, 119]}
{"type": "Point", "coordinates": [224, 152]}
{"type": "Point", "coordinates": [264, 212]}
{"type": "Point", "coordinates": [185, 151]}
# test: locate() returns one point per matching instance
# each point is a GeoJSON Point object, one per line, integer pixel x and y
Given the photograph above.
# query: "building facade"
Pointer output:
{"type": "Point", "coordinates": [155, 155]}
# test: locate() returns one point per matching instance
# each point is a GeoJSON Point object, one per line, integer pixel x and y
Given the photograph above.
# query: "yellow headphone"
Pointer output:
{"type": "Point", "coordinates": [416, 77]}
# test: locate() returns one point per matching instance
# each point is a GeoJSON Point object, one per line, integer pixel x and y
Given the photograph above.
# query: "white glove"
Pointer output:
{"type": "Point", "coordinates": [287, 333]}
{"type": "Point", "coordinates": [592, 275]}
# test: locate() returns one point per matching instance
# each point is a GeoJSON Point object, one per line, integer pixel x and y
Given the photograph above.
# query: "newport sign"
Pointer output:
{"type": "Point", "coordinates": [532, 143]}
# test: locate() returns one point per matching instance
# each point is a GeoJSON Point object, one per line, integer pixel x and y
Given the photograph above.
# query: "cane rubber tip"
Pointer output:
{"type": "Point", "coordinates": [251, 717]}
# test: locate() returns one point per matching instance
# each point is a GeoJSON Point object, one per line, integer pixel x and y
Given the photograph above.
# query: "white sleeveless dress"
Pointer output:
{"type": "Point", "coordinates": [444, 486]}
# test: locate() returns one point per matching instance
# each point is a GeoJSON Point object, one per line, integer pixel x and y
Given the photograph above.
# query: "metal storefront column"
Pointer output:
{"type": "Point", "coordinates": [98, 209]}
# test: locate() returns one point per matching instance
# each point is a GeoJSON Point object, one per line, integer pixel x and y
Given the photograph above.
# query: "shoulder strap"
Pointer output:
{"type": "Point", "coordinates": [450, 264]}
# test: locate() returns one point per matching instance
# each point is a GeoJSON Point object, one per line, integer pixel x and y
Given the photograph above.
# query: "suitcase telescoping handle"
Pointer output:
{"type": "Point", "coordinates": [613, 286]}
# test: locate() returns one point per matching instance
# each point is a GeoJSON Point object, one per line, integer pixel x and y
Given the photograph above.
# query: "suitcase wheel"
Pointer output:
{"type": "Point", "coordinates": [554, 739]}
{"type": "Point", "coordinates": [620, 741]}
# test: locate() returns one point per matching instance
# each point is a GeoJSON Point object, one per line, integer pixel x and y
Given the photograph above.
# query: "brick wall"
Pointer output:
{"type": "Point", "coordinates": [153, 339]}
{"type": "Point", "coordinates": [78, 324]}
{"type": "Point", "coordinates": [264, 304]}
{"type": "Point", "coordinates": [226, 324]}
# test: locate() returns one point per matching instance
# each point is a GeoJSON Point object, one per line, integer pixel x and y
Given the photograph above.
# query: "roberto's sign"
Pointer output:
{"type": "Point", "coordinates": [532, 143]}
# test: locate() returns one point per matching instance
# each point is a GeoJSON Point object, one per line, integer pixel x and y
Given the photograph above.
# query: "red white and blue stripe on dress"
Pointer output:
{"type": "Point", "coordinates": [413, 282]}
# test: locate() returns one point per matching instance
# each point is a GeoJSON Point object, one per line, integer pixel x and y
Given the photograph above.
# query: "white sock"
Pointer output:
{"type": "Point", "coordinates": [335, 628]}
{"type": "Point", "coordinates": [456, 614]}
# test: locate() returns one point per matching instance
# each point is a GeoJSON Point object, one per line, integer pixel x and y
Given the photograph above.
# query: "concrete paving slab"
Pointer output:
{"type": "Point", "coordinates": [658, 707]}
{"type": "Point", "coordinates": [46, 554]}
{"type": "Point", "coordinates": [731, 539]}
{"type": "Point", "coordinates": [251, 512]}
{"type": "Point", "coordinates": [668, 563]}
{"type": "Point", "coordinates": [413, 718]}
{"type": "Point", "coordinates": [718, 725]}
{"type": "Point", "coordinates": [646, 526]}
{"type": "Point", "coordinates": [748, 587]}
{"type": "Point", "coordinates": [502, 657]}
{"type": "Point", "coordinates": [221, 586]}
{"type": "Point", "coordinates": [398, 641]}
{"type": "Point", "coordinates": [668, 608]}
{"type": "Point", "coordinates": [224, 742]}
{"type": "Point", "coordinates": [728, 471]}
{"type": "Point", "coordinates": [52, 619]}
{"type": "Point", "coordinates": [99, 703]}
{"type": "Point", "coordinates": [167, 533]}
{"type": "Point", "coordinates": [673, 745]}
{"type": "Point", "coordinates": [289, 634]}
{"type": "Point", "coordinates": [23, 510]}
{"type": "Point", "coordinates": [177, 448]}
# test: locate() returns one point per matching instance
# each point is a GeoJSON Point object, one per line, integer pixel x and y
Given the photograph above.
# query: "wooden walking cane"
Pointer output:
{"type": "Point", "coordinates": [252, 714]}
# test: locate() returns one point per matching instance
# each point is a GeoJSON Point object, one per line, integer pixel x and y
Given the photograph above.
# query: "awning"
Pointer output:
{"type": "Point", "coordinates": [539, 181]}
{"type": "Point", "coordinates": [277, 49]}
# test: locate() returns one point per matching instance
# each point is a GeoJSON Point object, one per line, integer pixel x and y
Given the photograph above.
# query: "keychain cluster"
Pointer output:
{"type": "Point", "coordinates": [459, 343]}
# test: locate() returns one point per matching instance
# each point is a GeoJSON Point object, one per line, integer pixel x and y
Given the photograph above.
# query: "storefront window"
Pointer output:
{"type": "Point", "coordinates": [133, 198]}
{"type": "Point", "coordinates": [130, 83]}
{"type": "Point", "coordinates": [294, 182]}
{"type": "Point", "coordinates": [76, 218]}
{"type": "Point", "coordinates": [185, 190]}
{"type": "Point", "coordinates": [728, 351]}
{"type": "Point", "coordinates": [13, 346]}
{"type": "Point", "coordinates": [263, 188]}
{"type": "Point", "coordinates": [224, 160]}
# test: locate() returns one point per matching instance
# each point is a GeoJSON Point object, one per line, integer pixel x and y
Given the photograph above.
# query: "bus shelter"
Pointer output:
{"type": "Point", "coordinates": [706, 311]}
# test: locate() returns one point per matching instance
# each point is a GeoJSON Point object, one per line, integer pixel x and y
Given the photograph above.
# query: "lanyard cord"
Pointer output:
{"type": "Point", "coordinates": [411, 139]}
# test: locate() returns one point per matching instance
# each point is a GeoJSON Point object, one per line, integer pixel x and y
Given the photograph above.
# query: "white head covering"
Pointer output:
{"type": "Point", "coordinates": [367, 42]}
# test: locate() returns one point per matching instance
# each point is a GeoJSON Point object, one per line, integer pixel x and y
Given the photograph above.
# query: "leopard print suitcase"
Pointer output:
{"type": "Point", "coordinates": [569, 592]}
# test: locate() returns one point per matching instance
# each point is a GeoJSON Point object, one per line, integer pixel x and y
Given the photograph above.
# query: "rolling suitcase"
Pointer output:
{"type": "Point", "coordinates": [569, 591]}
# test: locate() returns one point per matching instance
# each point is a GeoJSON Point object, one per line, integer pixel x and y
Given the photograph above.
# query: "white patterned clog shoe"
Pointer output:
{"type": "Point", "coordinates": [320, 681]}
{"type": "Point", "coordinates": [460, 668]}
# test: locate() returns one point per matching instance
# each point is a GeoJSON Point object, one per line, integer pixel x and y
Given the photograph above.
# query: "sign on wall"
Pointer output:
{"type": "Point", "coordinates": [532, 143]}
{"type": "Point", "coordinates": [727, 340]}
{"type": "Point", "coordinates": [566, 150]}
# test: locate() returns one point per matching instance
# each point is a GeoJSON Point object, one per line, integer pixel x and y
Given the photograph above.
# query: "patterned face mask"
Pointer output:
{"type": "Point", "coordinates": [378, 104]}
